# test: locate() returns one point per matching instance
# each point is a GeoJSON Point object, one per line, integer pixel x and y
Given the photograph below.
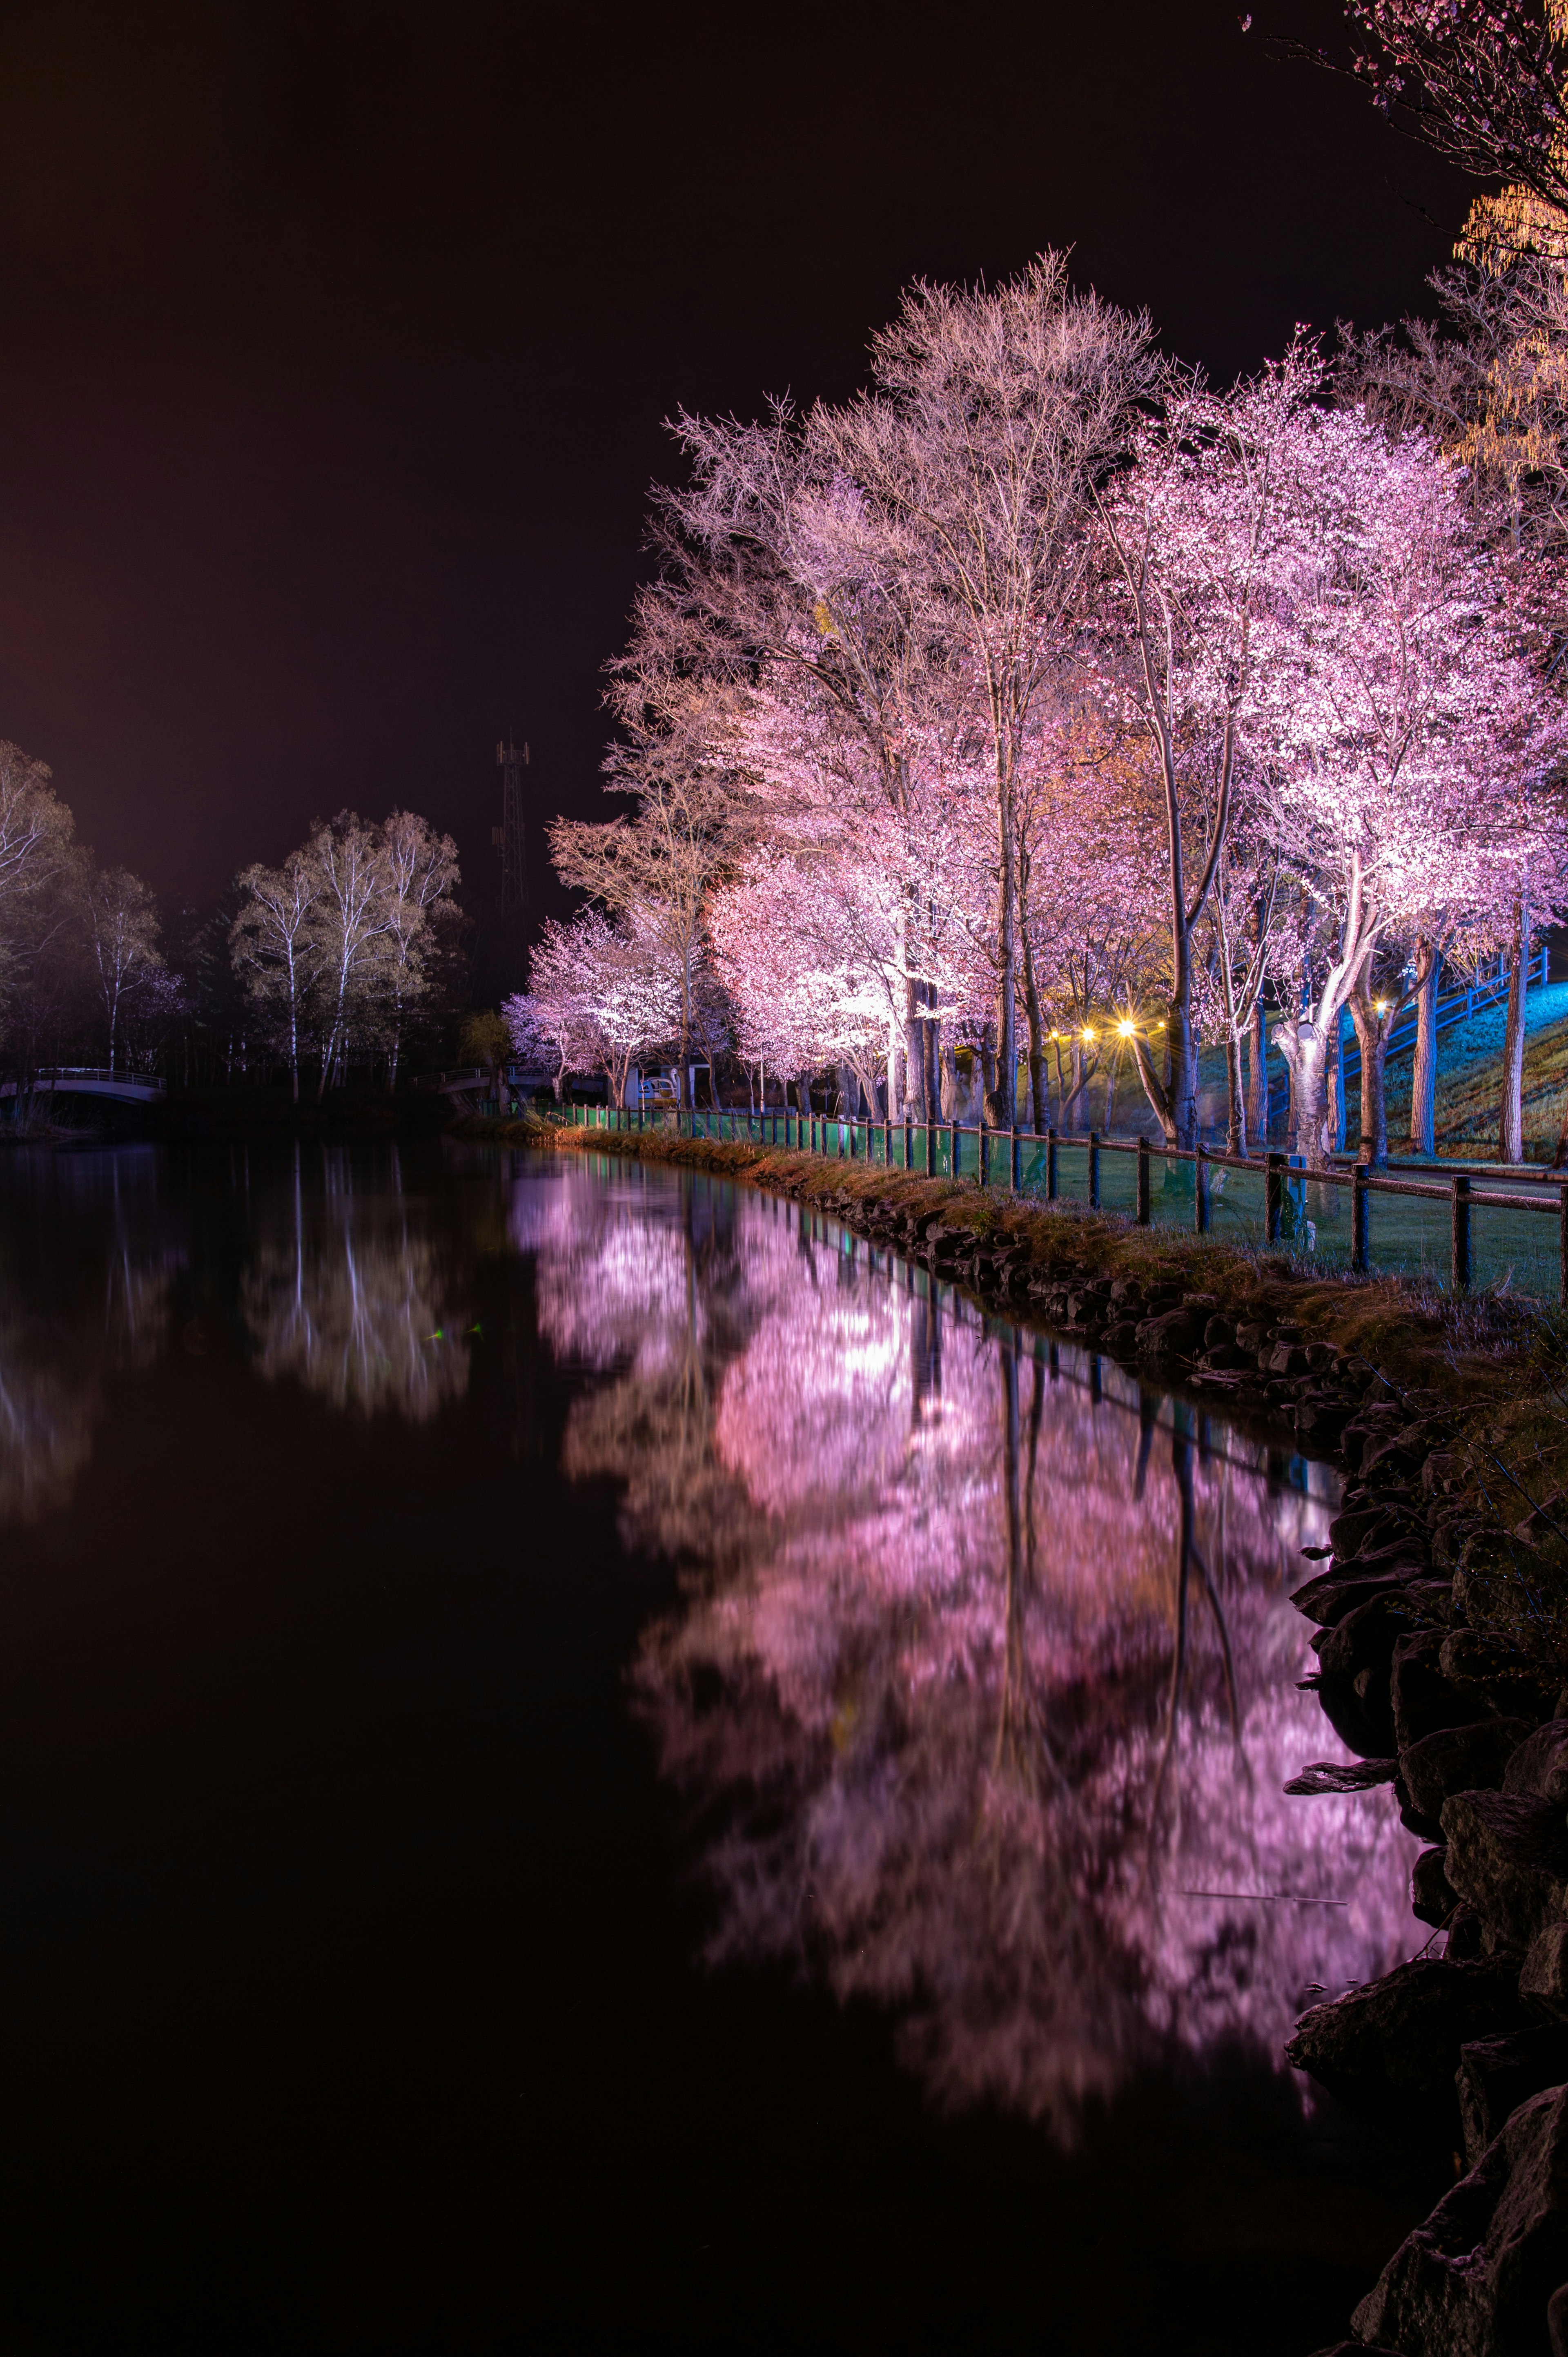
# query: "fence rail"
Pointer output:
{"type": "Point", "coordinates": [1453, 1006]}
{"type": "Point", "coordinates": [1266, 1199]}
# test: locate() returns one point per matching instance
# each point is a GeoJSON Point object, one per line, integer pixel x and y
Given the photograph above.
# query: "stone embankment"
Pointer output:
{"type": "Point", "coordinates": [1466, 2045]}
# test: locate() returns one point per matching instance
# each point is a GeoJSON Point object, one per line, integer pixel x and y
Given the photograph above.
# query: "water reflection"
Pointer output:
{"type": "Point", "coordinates": [89, 1252]}
{"type": "Point", "coordinates": [347, 1292]}
{"type": "Point", "coordinates": [985, 1670]}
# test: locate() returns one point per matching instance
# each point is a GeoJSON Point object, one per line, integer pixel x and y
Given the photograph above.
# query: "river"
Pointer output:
{"type": "Point", "coordinates": [584, 1764]}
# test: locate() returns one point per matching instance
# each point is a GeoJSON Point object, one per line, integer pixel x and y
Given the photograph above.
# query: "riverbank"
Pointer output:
{"type": "Point", "coordinates": [1441, 1612]}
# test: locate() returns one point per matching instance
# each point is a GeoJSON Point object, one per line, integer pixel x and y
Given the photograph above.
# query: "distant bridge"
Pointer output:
{"type": "Point", "coordinates": [91, 1081]}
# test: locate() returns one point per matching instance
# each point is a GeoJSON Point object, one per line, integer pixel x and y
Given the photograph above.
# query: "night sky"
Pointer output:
{"type": "Point", "coordinates": [337, 338]}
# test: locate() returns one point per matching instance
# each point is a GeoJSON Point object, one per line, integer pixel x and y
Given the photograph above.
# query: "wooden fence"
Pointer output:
{"type": "Point", "coordinates": [1267, 1199]}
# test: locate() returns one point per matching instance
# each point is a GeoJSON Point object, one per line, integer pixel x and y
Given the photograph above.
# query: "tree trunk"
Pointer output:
{"type": "Point", "coordinates": [1422, 1136]}
{"type": "Point", "coordinates": [1306, 1051]}
{"type": "Point", "coordinates": [1373, 1031]}
{"type": "Point", "coordinates": [1038, 1081]}
{"type": "Point", "coordinates": [1236, 1097]}
{"type": "Point", "coordinates": [1511, 1126]}
{"type": "Point", "coordinates": [1002, 1109]}
{"type": "Point", "coordinates": [1259, 1045]}
{"type": "Point", "coordinates": [946, 1065]}
{"type": "Point", "coordinates": [1337, 1110]}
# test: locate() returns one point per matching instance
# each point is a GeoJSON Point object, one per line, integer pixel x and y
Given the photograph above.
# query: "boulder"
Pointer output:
{"type": "Point", "coordinates": [1477, 2277]}
{"type": "Point", "coordinates": [1423, 1699]}
{"type": "Point", "coordinates": [1508, 1855]}
{"type": "Point", "coordinates": [1175, 1333]}
{"type": "Point", "coordinates": [1365, 1638]}
{"type": "Point", "coordinates": [1431, 1895]}
{"type": "Point", "coordinates": [1459, 1759]}
{"type": "Point", "coordinates": [1347, 1530]}
{"type": "Point", "coordinates": [1539, 1765]}
{"type": "Point", "coordinates": [1393, 2048]}
{"type": "Point", "coordinates": [1343, 1776]}
{"type": "Point", "coordinates": [1327, 1598]}
{"type": "Point", "coordinates": [1543, 1981]}
{"type": "Point", "coordinates": [1498, 2074]}
{"type": "Point", "coordinates": [1357, 1710]}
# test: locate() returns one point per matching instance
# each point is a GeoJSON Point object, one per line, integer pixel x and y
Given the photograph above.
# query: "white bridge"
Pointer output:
{"type": "Point", "coordinates": [91, 1081]}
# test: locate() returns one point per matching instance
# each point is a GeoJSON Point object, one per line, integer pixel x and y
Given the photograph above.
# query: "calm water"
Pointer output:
{"type": "Point", "coordinates": [582, 1765]}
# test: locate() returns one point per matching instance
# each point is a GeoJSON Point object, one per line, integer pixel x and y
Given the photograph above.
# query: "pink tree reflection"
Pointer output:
{"type": "Point", "coordinates": [995, 1680]}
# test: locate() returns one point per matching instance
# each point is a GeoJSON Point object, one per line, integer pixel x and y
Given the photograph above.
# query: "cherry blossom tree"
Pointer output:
{"type": "Point", "coordinates": [1403, 730]}
{"type": "Point", "coordinates": [1194, 535]}
{"type": "Point", "coordinates": [600, 997]}
{"type": "Point", "coordinates": [994, 418]}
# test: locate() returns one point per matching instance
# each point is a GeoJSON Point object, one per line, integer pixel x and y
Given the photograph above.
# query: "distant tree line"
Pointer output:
{"type": "Point", "coordinates": [345, 957]}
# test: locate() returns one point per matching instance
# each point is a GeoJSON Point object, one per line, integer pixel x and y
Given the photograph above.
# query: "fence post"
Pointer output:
{"type": "Point", "coordinates": [980, 1149]}
{"type": "Point", "coordinates": [952, 1149]}
{"type": "Point", "coordinates": [909, 1140]}
{"type": "Point", "coordinates": [1563, 1235]}
{"type": "Point", "coordinates": [930, 1146]}
{"type": "Point", "coordinates": [1015, 1164]}
{"type": "Point", "coordinates": [1200, 1188]}
{"type": "Point", "coordinates": [1273, 1198]}
{"type": "Point", "coordinates": [1361, 1206]}
{"type": "Point", "coordinates": [1143, 1181]}
{"type": "Point", "coordinates": [1050, 1164]}
{"type": "Point", "coordinates": [1461, 1231]}
{"type": "Point", "coordinates": [1094, 1170]}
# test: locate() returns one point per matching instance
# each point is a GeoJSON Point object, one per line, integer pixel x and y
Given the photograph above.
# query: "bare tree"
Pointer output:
{"type": "Point", "coordinates": [275, 946]}
{"type": "Point", "coordinates": [123, 929]}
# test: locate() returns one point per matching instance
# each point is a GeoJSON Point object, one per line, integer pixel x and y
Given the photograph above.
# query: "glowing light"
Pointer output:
{"type": "Point", "coordinates": [1087, 1032]}
{"type": "Point", "coordinates": [1125, 1030]}
{"type": "Point", "coordinates": [1382, 1005]}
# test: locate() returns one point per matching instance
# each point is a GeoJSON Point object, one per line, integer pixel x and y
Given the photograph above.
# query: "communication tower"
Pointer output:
{"type": "Point", "coordinates": [511, 760]}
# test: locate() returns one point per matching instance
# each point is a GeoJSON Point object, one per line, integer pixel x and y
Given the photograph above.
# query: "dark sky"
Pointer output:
{"type": "Point", "coordinates": [336, 338]}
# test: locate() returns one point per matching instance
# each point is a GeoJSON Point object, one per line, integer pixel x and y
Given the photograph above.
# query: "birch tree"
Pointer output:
{"type": "Point", "coordinates": [276, 946]}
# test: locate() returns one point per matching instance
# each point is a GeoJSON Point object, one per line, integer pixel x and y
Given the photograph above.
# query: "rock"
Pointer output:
{"type": "Point", "coordinates": [1343, 1776]}
{"type": "Point", "coordinates": [1496, 2075]}
{"type": "Point", "coordinates": [1477, 2277]}
{"type": "Point", "coordinates": [1285, 1359]}
{"type": "Point", "coordinates": [1543, 1981]}
{"type": "Point", "coordinates": [1539, 1765]}
{"type": "Point", "coordinates": [1121, 1338]}
{"type": "Point", "coordinates": [1557, 2321]}
{"type": "Point", "coordinates": [1175, 1333]}
{"type": "Point", "coordinates": [1393, 2048]}
{"type": "Point", "coordinates": [1217, 1332]}
{"type": "Point", "coordinates": [1424, 1700]}
{"type": "Point", "coordinates": [1459, 1759]}
{"type": "Point", "coordinates": [1466, 1937]}
{"type": "Point", "coordinates": [1439, 1470]}
{"type": "Point", "coordinates": [1220, 1358]}
{"type": "Point", "coordinates": [1330, 1596]}
{"type": "Point", "coordinates": [1391, 1459]}
{"type": "Point", "coordinates": [1362, 1721]}
{"type": "Point", "coordinates": [1508, 1855]}
{"type": "Point", "coordinates": [1366, 1637]}
{"type": "Point", "coordinates": [1347, 1530]}
{"type": "Point", "coordinates": [1431, 1895]}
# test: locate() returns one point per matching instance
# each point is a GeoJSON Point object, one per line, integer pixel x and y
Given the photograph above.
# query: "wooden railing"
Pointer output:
{"type": "Point", "coordinates": [1028, 1163]}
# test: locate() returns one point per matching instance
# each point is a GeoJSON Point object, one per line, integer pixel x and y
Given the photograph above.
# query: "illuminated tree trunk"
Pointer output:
{"type": "Point", "coordinates": [1511, 1126]}
{"type": "Point", "coordinates": [1422, 1136]}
